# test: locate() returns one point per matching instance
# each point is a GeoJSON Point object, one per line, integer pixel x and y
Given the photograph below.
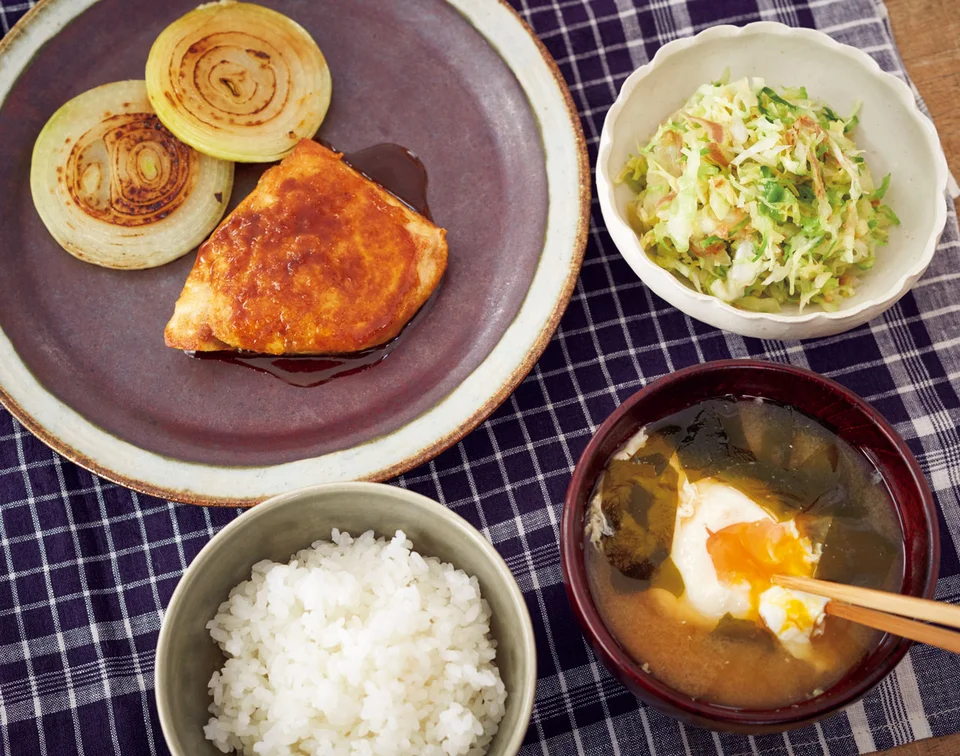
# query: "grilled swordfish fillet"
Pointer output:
{"type": "Point", "coordinates": [317, 259]}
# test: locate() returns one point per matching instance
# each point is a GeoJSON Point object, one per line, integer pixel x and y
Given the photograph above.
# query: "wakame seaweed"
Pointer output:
{"type": "Point", "coordinates": [784, 461]}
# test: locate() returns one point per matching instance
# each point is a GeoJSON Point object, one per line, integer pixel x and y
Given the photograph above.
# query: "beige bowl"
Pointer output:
{"type": "Point", "coordinates": [187, 657]}
{"type": "Point", "coordinates": [895, 135]}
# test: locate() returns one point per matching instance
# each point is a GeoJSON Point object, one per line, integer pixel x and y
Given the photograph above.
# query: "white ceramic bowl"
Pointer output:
{"type": "Point", "coordinates": [895, 135]}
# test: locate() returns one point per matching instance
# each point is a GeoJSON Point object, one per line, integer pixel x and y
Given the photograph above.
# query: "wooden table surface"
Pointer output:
{"type": "Point", "coordinates": [928, 35]}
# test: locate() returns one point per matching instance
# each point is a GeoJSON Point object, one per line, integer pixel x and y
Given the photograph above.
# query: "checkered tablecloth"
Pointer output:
{"type": "Point", "coordinates": [87, 567]}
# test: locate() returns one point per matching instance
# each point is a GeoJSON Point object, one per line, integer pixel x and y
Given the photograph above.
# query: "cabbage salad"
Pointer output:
{"type": "Point", "coordinates": [759, 198]}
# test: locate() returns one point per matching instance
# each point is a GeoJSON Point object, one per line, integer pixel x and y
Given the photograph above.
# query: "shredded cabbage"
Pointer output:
{"type": "Point", "coordinates": [759, 198]}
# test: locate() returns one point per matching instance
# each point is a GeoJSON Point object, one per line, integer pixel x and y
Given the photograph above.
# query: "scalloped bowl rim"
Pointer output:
{"type": "Point", "coordinates": [622, 232]}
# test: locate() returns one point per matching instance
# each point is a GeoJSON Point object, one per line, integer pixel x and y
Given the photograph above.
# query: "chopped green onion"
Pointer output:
{"type": "Point", "coordinates": [785, 199]}
{"type": "Point", "coordinates": [774, 193]}
{"type": "Point", "coordinates": [882, 189]}
{"type": "Point", "coordinates": [777, 98]}
{"type": "Point", "coordinates": [889, 214]}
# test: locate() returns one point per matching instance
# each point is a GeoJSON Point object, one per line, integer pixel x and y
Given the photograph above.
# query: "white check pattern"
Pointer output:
{"type": "Point", "coordinates": [88, 567]}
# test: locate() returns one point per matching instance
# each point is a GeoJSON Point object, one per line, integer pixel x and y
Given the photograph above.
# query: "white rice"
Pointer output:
{"type": "Point", "coordinates": [359, 647]}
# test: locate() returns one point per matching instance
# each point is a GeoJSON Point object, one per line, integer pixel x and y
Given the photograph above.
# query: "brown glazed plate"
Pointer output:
{"type": "Point", "coordinates": [466, 86]}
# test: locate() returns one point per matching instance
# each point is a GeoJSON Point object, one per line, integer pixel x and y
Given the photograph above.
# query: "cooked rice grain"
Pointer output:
{"type": "Point", "coordinates": [358, 647]}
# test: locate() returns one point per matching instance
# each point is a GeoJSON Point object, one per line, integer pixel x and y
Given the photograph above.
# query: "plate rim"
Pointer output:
{"type": "Point", "coordinates": [422, 454]}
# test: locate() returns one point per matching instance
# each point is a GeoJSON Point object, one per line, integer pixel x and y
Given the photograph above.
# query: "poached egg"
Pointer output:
{"type": "Point", "coordinates": [727, 547]}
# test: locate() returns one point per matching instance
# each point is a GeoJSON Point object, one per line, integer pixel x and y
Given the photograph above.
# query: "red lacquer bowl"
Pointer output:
{"type": "Point", "coordinates": [835, 407]}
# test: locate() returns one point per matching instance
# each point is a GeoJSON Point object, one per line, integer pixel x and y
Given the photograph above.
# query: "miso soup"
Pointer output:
{"type": "Point", "coordinates": [692, 517]}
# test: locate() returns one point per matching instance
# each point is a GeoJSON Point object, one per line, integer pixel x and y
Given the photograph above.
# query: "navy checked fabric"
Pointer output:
{"type": "Point", "coordinates": [86, 567]}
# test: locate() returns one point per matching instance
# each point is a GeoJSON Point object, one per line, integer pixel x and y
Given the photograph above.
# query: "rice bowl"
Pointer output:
{"type": "Point", "coordinates": [355, 646]}
{"type": "Point", "coordinates": [187, 656]}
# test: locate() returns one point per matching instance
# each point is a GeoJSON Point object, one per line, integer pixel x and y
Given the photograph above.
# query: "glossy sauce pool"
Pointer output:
{"type": "Point", "coordinates": [400, 172]}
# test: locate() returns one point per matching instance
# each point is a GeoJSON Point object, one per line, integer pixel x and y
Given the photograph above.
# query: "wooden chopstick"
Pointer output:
{"type": "Point", "coordinates": [881, 601]}
{"type": "Point", "coordinates": [905, 628]}
{"type": "Point", "coordinates": [880, 610]}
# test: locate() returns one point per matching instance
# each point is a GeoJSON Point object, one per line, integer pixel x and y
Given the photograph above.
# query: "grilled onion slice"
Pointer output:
{"type": "Point", "coordinates": [116, 189]}
{"type": "Point", "coordinates": [238, 81]}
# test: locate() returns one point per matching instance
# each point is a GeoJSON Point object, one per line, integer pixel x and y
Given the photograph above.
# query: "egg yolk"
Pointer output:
{"type": "Point", "coordinates": [797, 616]}
{"type": "Point", "coordinates": [756, 551]}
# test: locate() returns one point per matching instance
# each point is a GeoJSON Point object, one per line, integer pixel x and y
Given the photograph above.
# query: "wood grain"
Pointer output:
{"type": "Point", "coordinates": [921, 632]}
{"type": "Point", "coordinates": [928, 36]}
{"type": "Point", "coordinates": [946, 746]}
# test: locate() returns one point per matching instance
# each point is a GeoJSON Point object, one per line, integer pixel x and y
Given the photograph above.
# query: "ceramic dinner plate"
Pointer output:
{"type": "Point", "coordinates": [466, 86]}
